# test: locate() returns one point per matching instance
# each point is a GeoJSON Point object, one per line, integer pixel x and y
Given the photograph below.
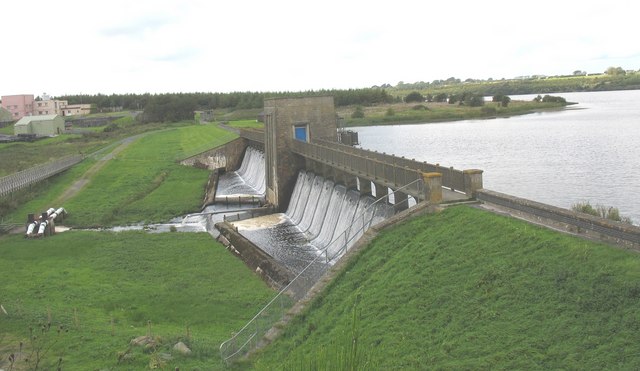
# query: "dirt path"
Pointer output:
{"type": "Point", "coordinates": [79, 184]}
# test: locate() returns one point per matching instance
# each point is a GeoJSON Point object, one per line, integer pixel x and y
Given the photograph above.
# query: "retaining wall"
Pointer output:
{"type": "Point", "coordinates": [227, 156]}
{"type": "Point", "coordinates": [574, 222]}
{"type": "Point", "coordinates": [274, 274]}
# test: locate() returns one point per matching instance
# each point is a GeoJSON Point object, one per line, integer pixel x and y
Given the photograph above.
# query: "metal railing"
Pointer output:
{"type": "Point", "coordinates": [14, 182]}
{"type": "Point", "coordinates": [251, 335]}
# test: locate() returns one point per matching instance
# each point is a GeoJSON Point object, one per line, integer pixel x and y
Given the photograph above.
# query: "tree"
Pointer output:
{"type": "Point", "coordinates": [615, 71]}
{"type": "Point", "coordinates": [504, 100]}
{"type": "Point", "coordinates": [440, 97]}
{"type": "Point", "coordinates": [414, 96]}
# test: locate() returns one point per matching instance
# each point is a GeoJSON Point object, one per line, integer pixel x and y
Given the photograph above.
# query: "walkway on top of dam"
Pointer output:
{"type": "Point", "coordinates": [383, 169]}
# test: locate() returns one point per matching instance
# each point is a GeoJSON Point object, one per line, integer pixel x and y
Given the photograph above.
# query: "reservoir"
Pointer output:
{"type": "Point", "coordinates": [586, 152]}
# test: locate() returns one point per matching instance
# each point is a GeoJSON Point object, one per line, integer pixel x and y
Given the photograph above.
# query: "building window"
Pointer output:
{"type": "Point", "coordinates": [301, 132]}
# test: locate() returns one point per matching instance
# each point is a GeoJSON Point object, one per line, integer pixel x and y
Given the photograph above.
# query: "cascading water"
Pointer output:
{"type": "Point", "coordinates": [321, 215]}
{"type": "Point", "coordinates": [248, 180]}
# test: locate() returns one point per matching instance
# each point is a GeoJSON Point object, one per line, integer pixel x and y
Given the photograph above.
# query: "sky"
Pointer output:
{"type": "Point", "coordinates": [164, 46]}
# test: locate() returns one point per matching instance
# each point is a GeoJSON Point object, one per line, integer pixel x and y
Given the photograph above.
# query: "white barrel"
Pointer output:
{"type": "Point", "coordinates": [43, 225]}
{"type": "Point", "coordinates": [31, 227]}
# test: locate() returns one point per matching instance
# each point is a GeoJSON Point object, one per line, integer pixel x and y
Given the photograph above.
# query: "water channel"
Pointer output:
{"type": "Point", "coordinates": [587, 152]}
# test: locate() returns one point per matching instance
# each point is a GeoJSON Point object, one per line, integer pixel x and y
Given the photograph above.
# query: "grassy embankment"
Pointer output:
{"type": "Point", "coordinates": [402, 113]}
{"type": "Point", "coordinates": [107, 288]}
{"type": "Point", "coordinates": [466, 289]}
{"type": "Point", "coordinates": [143, 183]}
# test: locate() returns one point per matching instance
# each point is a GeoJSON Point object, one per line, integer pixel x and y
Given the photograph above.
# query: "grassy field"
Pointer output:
{"type": "Point", "coordinates": [250, 124]}
{"type": "Point", "coordinates": [107, 288]}
{"type": "Point", "coordinates": [99, 290]}
{"type": "Point", "coordinates": [466, 289]}
{"type": "Point", "coordinates": [143, 183]}
{"type": "Point", "coordinates": [399, 113]}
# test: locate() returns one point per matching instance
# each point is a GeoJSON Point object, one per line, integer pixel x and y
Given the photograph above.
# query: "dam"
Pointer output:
{"type": "Point", "coordinates": [324, 195]}
{"type": "Point", "coordinates": [327, 194]}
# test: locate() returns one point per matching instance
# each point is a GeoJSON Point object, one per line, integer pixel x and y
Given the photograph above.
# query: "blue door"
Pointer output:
{"type": "Point", "coordinates": [301, 133]}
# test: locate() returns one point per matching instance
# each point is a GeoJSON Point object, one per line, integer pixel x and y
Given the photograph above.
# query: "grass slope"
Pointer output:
{"type": "Point", "coordinates": [108, 288]}
{"type": "Point", "coordinates": [144, 183]}
{"type": "Point", "coordinates": [466, 289]}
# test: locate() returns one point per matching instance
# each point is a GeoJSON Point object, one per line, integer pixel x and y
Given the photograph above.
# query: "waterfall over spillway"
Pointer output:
{"type": "Point", "coordinates": [249, 179]}
{"type": "Point", "coordinates": [322, 218]}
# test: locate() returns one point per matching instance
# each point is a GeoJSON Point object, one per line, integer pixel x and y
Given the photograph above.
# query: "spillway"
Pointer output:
{"type": "Point", "coordinates": [248, 180]}
{"type": "Point", "coordinates": [322, 219]}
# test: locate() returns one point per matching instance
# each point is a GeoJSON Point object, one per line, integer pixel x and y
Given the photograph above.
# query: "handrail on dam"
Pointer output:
{"type": "Point", "coordinates": [252, 333]}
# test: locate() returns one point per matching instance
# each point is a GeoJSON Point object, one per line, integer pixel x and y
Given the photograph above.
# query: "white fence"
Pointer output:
{"type": "Point", "coordinates": [25, 178]}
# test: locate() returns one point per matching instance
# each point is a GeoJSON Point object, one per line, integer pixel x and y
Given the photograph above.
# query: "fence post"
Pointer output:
{"type": "Point", "coordinates": [472, 181]}
{"type": "Point", "coordinates": [432, 187]}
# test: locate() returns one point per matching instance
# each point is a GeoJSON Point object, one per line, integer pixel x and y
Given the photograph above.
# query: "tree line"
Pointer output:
{"type": "Point", "coordinates": [180, 106]}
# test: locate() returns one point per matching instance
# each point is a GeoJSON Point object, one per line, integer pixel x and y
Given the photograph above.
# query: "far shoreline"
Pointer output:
{"type": "Point", "coordinates": [461, 114]}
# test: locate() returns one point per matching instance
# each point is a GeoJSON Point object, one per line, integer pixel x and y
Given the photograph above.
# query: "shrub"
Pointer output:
{"type": "Point", "coordinates": [420, 107]}
{"type": "Point", "coordinates": [358, 113]}
{"type": "Point", "coordinates": [111, 127]}
{"type": "Point", "coordinates": [553, 99]}
{"type": "Point", "coordinates": [414, 96]}
{"type": "Point", "coordinates": [390, 112]}
{"type": "Point", "coordinates": [606, 212]}
{"type": "Point", "coordinates": [504, 100]}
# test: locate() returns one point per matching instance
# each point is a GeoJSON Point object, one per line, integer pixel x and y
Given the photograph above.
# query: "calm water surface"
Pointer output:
{"type": "Point", "coordinates": [588, 152]}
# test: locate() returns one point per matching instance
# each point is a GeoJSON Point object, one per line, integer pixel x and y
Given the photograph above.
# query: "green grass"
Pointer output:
{"type": "Point", "coordinates": [467, 289]}
{"type": "Point", "coordinates": [18, 156]}
{"type": "Point", "coordinates": [38, 197]}
{"type": "Point", "coordinates": [144, 183]}
{"type": "Point", "coordinates": [7, 130]}
{"type": "Point", "coordinates": [108, 288]}
{"type": "Point", "coordinates": [250, 124]}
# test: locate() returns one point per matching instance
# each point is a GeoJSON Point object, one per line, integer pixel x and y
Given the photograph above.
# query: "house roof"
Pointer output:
{"type": "Point", "coordinates": [29, 119]}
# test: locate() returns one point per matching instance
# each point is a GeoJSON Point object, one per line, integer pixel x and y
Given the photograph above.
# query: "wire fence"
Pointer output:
{"type": "Point", "coordinates": [25, 178]}
{"type": "Point", "coordinates": [253, 333]}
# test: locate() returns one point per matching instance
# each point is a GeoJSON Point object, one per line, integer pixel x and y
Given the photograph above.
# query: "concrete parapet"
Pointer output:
{"type": "Point", "coordinates": [472, 181]}
{"type": "Point", "coordinates": [432, 187]}
{"type": "Point", "coordinates": [626, 235]}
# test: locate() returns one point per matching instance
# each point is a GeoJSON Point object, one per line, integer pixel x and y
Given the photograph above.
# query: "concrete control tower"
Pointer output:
{"type": "Point", "coordinates": [286, 120]}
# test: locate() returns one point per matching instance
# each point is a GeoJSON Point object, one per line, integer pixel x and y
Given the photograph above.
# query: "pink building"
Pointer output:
{"type": "Point", "coordinates": [18, 105]}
